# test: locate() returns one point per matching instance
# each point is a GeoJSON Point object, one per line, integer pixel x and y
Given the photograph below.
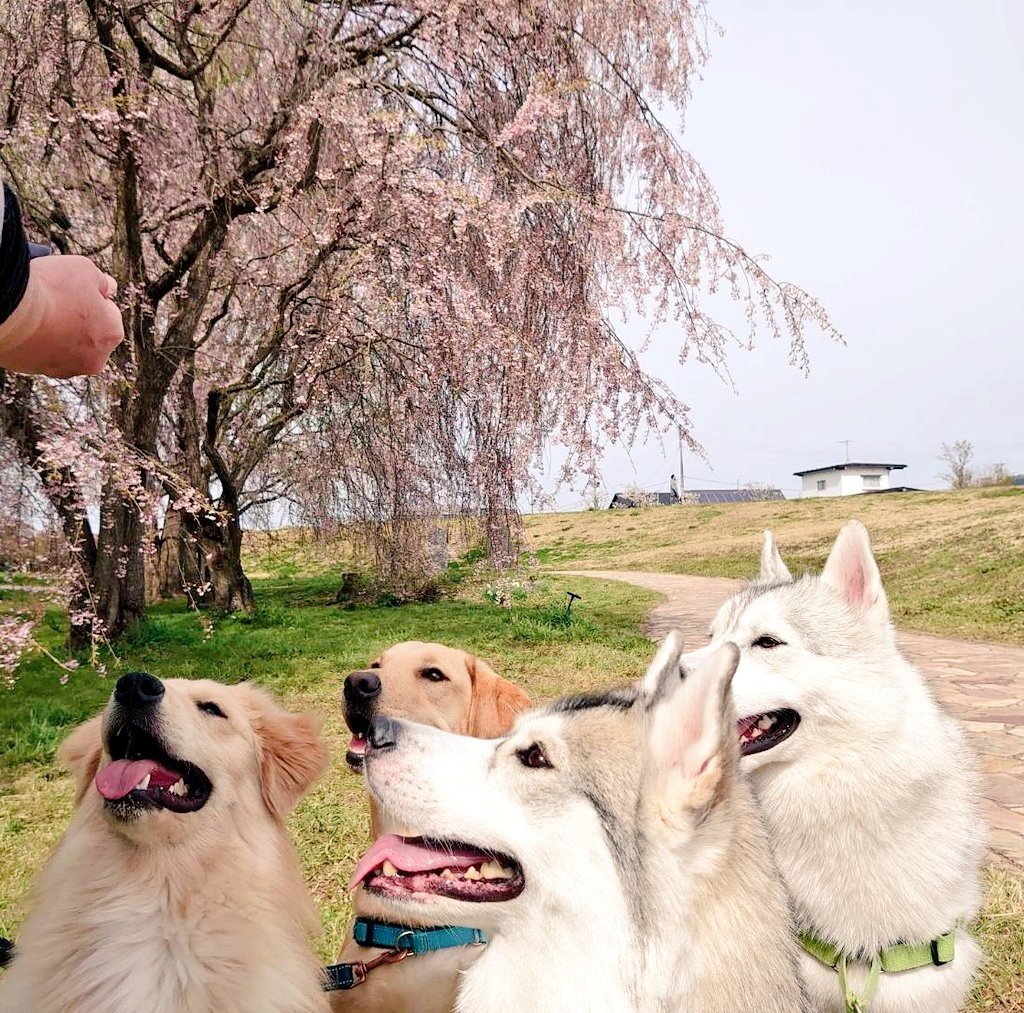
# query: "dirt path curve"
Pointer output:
{"type": "Point", "coordinates": [982, 684]}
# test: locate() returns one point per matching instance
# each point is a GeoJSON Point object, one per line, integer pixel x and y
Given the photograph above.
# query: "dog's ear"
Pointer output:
{"type": "Point", "coordinates": [665, 666]}
{"type": "Point", "coordinates": [292, 753]}
{"type": "Point", "coordinates": [772, 566]}
{"type": "Point", "coordinates": [851, 570]}
{"type": "Point", "coordinates": [693, 748]}
{"type": "Point", "coordinates": [495, 702]}
{"type": "Point", "coordinates": [80, 753]}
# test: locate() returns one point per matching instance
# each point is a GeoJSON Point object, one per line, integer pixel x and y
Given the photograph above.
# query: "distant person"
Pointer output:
{"type": "Point", "coordinates": [673, 488]}
{"type": "Point", "coordinates": [57, 314]}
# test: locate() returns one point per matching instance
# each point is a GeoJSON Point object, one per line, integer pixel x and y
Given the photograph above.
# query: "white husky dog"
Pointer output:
{"type": "Point", "coordinates": [612, 854]}
{"type": "Point", "coordinates": [869, 791]}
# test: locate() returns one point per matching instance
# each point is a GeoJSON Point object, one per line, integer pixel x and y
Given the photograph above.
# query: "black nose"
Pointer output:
{"type": "Point", "coordinates": [382, 733]}
{"type": "Point", "coordinates": [138, 689]}
{"type": "Point", "coordinates": [361, 687]}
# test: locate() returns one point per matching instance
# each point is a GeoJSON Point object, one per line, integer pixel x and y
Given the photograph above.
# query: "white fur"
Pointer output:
{"type": "Point", "coordinates": [573, 939]}
{"type": "Point", "coordinates": [872, 804]}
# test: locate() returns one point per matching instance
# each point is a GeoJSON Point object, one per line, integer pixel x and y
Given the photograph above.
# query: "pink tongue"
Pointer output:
{"type": "Point", "coordinates": [120, 777]}
{"type": "Point", "coordinates": [409, 854]}
{"type": "Point", "coordinates": [357, 745]}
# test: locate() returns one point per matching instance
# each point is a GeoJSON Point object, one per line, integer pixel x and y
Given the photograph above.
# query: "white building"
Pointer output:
{"type": "Point", "coordinates": [846, 479]}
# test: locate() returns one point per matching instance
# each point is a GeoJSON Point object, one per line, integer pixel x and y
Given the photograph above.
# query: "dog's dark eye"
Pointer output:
{"type": "Point", "coordinates": [434, 675]}
{"type": "Point", "coordinates": [533, 756]}
{"type": "Point", "coordinates": [767, 642]}
{"type": "Point", "coordinates": [209, 707]}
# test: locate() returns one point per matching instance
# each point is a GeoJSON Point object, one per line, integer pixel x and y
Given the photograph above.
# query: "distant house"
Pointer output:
{"type": "Point", "coordinates": [700, 497]}
{"type": "Point", "coordinates": [847, 479]}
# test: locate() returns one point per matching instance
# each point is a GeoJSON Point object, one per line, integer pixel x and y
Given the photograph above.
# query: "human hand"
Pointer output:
{"type": "Point", "coordinates": [66, 323]}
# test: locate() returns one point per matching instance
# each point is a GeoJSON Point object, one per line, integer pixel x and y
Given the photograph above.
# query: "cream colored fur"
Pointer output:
{"type": "Point", "coordinates": [181, 912]}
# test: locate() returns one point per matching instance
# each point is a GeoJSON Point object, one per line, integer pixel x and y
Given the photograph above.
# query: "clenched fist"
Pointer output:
{"type": "Point", "coordinates": [66, 324]}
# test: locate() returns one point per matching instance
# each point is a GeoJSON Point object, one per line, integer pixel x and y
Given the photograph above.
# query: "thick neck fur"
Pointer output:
{"type": "Point", "coordinates": [206, 925]}
{"type": "Point", "coordinates": [700, 920]}
{"type": "Point", "coordinates": [879, 837]}
{"type": "Point", "coordinates": [554, 955]}
{"type": "Point", "coordinates": [732, 914]}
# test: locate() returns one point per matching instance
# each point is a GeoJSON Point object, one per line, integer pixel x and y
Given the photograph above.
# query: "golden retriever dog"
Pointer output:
{"type": "Point", "coordinates": [445, 688]}
{"type": "Point", "coordinates": [176, 888]}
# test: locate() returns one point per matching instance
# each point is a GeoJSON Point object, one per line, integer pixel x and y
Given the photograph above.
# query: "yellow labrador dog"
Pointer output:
{"type": "Point", "coordinates": [176, 888]}
{"type": "Point", "coordinates": [448, 689]}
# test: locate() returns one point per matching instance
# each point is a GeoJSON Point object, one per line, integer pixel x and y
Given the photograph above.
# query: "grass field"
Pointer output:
{"type": "Point", "coordinates": [952, 562]}
{"type": "Point", "coordinates": [300, 645]}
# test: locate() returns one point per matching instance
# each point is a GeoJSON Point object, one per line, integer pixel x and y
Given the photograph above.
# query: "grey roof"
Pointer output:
{"type": "Point", "coordinates": [892, 488]}
{"type": "Point", "coordinates": [701, 496]}
{"type": "Point", "coordinates": [846, 465]}
{"type": "Point", "coordinates": [731, 495]}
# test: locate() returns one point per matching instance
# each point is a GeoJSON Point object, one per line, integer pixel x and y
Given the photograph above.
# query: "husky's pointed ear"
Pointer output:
{"type": "Point", "coordinates": [772, 566]}
{"type": "Point", "coordinates": [694, 750]}
{"type": "Point", "coordinates": [80, 752]}
{"type": "Point", "coordinates": [852, 571]}
{"type": "Point", "coordinates": [664, 665]}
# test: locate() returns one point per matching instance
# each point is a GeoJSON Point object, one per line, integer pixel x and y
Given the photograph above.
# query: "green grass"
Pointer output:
{"type": "Point", "coordinates": [301, 646]}
{"type": "Point", "coordinates": [952, 562]}
{"type": "Point", "coordinates": [1000, 932]}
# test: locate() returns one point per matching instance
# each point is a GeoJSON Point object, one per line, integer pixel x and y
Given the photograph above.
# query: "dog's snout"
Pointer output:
{"type": "Point", "coordinates": [138, 689]}
{"type": "Point", "coordinates": [382, 733]}
{"type": "Point", "coordinates": [361, 687]}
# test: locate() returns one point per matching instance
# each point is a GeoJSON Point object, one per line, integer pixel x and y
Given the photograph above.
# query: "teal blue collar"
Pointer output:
{"type": "Point", "coordinates": [367, 932]}
{"type": "Point", "coordinates": [399, 941]}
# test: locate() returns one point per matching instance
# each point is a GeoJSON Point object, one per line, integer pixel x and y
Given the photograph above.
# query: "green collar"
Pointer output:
{"type": "Point", "coordinates": [893, 959]}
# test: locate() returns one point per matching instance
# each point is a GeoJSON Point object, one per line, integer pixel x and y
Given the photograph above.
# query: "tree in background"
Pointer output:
{"type": "Point", "coordinates": [367, 253]}
{"type": "Point", "coordinates": [958, 458]}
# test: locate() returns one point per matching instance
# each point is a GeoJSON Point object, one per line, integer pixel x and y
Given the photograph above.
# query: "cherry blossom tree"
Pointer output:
{"type": "Point", "coordinates": [368, 254]}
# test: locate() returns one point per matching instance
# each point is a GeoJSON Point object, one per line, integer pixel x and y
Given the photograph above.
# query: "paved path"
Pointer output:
{"type": "Point", "coordinates": [981, 684]}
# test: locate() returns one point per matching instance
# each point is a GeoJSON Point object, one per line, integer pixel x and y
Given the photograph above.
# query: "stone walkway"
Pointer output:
{"type": "Point", "coordinates": [981, 684]}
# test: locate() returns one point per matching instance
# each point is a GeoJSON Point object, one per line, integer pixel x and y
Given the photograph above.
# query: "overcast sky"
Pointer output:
{"type": "Point", "coordinates": [876, 152]}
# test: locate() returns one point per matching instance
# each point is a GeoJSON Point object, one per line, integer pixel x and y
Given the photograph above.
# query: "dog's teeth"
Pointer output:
{"type": "Point", "coordinates": [448, 874]}
{"type": "Point", "coordinates": [472, 873]}
{"type": "Point", "coordinates": [765, 723]}
{"type": "Point", "coordinates": [178, 788]}
{"type": "Point", "coordinates": [388, 869]}
{"type": "Point", "coordinates": [507, 873]}
{"type": "Point", "coordinates": [143, 784]}
{"type": "Point", "coordinates": [493, 870]}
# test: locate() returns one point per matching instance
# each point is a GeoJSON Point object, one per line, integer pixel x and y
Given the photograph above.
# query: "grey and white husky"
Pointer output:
{"type": "Point", "coordinates": [868, 789]}
{"type": "Point", "coordinates": [606, 846]}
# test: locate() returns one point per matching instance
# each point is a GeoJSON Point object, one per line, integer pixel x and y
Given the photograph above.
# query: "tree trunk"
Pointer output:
{"type": "Point", "coordinates": [228, 586]}
{"type": "Point", "coordinates": [178, 556]}
{"type": "Point", "coordinates": [503, 528]}
{"type": "Point", "coordinates": [119, 579]}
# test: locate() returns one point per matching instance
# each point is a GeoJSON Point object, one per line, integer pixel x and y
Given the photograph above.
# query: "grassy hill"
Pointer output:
{"type": "Point", "coordinates": [952, 562]}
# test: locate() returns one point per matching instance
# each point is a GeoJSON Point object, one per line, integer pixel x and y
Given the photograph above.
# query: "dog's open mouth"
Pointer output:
{"type": "Point", "coordinates": [142, 774]}
{"type": "Point", "coordinates": [355, 753]}
{"type": "Point", "coordinates": [402, 866]}
{"type": "Point", "coordinates": [760, 732]}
